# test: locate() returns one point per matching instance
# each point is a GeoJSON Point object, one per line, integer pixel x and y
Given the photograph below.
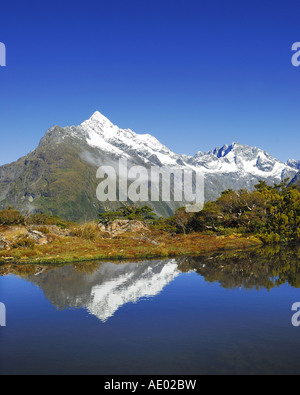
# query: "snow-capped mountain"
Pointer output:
{"type": "Point", "coordinates": [59, 176]}
{"type": "Point", "coordinates": [102, 134]}
{"type": "Point", "coordinates": [240, 159]}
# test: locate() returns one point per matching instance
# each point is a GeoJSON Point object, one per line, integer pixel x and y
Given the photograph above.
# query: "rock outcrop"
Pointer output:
{"type": "Point", "coordinates": [119, 226]}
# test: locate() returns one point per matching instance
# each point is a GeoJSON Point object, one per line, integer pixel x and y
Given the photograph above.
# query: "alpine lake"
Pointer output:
{"type": "Point", "coordinates": [226, 313]}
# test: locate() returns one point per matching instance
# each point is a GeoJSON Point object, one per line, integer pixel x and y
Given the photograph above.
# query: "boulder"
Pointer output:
{"type": "Point", "coordinates": [38, 237]}
{"type": "Point", "coordinates": [123, 225]}
{"type": "Point", "coordinates": [4, 244]}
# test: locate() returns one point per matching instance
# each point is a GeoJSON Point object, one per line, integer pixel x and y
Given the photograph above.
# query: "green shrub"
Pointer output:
{"type": "Point", "coordinates": [129, 212]}
{"type": "Point", "coordinates": [271, 212]}
{"type": "Point", "coordinates": [11, 217]}
{"type": "Point", "coordinates": [164, 224]}
{"type": "Point", "coordinates": [46, 219]}
{"type": "Point", "coordinates": [271, 238]}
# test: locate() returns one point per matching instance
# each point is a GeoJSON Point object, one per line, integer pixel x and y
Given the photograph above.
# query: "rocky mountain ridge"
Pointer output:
{"type": "Point", "coordinates": [59, 176]}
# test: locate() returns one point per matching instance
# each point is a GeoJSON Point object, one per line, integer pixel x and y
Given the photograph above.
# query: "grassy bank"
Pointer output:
{"type": "Point", "coordinates": [81, 246]}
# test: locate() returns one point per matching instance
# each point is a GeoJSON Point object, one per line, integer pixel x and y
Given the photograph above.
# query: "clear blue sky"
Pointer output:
{"type": "Point", "coordinates": [195, 74]}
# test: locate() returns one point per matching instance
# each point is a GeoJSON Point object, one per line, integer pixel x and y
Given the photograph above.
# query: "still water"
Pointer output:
{"type": "Point", "coordinates": [223, 314]}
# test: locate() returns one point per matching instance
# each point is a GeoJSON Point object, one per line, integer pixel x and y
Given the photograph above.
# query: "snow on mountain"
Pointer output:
{"type": "Point", "coordinates": [62, 169]}
{"type": "Point", "coordinates": [232, 166]}
{"type": "Point", "coordinates": [102, 134]}
{"type": "Point", "coordinates": [295, 164]}
{"type": "Point", "coordinates": [240, 159]}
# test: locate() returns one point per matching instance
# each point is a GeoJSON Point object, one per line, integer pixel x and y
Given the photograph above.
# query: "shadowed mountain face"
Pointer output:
{"type": "Point", "coordinates": [59, 176]}
{"type": "Point", "coordinates": [296, 179]}
{"type": "Point", "coordinates": [103, 288]}
{"type": "Point", "coordinates": [294, 163]}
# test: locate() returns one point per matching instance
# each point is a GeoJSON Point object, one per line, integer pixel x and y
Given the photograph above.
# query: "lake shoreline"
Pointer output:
{"type": "Point", "coordinates": [130, 245]}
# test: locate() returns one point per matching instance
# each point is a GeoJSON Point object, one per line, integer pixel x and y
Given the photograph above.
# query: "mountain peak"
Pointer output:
{"type": "Point", "coordinates": [97, 141]}
{"type": "Point", "coordinates": [99, 118]}
{"type": "Point", "coordinates": [99, 124]}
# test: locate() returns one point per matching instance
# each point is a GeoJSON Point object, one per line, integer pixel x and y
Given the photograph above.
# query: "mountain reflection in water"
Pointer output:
{"type": "Point", "coordinates": [102, 288]}
{"type": "Point", "coordinates": [107, 287]}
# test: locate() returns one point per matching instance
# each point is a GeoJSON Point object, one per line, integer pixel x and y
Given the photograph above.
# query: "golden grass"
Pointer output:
{"type": "Point", "coordinates": [88, 231]}
{"type": "Point", "coordinates": [86, 244]}
{"type": "Point", "coordinates": [14, 232]}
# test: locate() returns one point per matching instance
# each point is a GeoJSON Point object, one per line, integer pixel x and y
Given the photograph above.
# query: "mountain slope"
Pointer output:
{"type": "Point", "coordinates": [296, 179]}
{"type": "Point", "coordinates": [295, 164]}
{"type": "Point", "coordinates": [59, 176]}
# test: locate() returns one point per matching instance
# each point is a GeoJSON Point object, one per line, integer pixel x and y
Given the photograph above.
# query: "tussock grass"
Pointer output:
{"type": "Point", "coordinates": [15, 232]}
{"type": "Point", "coordinates": [24, 242]}
{"type": "Point", "coordinates": [87, 231]}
